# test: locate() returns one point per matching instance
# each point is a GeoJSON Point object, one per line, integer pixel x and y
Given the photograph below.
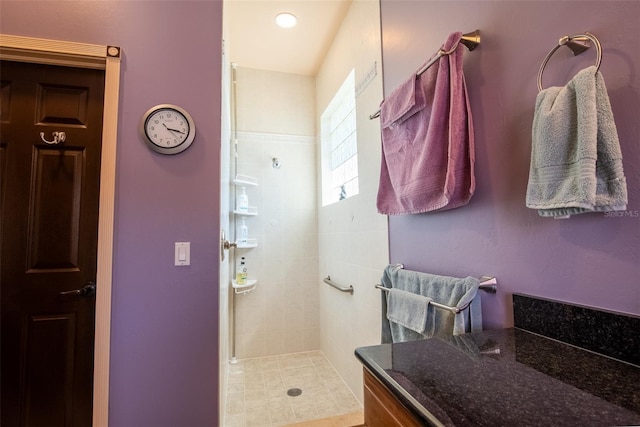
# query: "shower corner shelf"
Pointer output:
{"type": "Point", "coordinates": [245, 287]}
{"type": "Point", "coordinates": [250, 243]}
{"type": "Point", "coordinates": [241, 179]}
{"type": "Point", "coordinates": [253, 211]}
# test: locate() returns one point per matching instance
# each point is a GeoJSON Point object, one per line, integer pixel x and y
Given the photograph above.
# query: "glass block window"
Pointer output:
{"type": "Point", "coordinates": [339, 144]}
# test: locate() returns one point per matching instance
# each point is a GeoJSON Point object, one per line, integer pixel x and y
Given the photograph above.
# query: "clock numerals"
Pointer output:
{"type": "Point", "coordinates": [168, 129]}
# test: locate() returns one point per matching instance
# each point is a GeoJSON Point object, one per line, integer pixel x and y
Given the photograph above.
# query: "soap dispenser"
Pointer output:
{"type": "Point", "coordinates": [241, 273]}
{"type": "Point", "coordinates": [243, 200]}
{"type": "Point", "coordinates": [243, 234]}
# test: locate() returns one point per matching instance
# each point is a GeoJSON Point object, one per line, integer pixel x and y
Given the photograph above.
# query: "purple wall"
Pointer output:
{"type": "Point", "coordinates": [164, 321]}
{"type": "Point", "coordinates": [164, 332]}
{"type": "Point", "coordinates": [589, 259]}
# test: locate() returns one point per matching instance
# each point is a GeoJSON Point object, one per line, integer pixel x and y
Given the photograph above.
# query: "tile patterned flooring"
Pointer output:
{"type": "Point", "coordinates": [257, 391]}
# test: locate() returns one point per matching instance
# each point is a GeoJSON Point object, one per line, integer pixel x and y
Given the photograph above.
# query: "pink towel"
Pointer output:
{"type": "Point", "coordinates": [427, 140]}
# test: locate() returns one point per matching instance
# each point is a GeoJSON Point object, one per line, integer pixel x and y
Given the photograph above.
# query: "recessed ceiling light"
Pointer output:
{"type": "Point", "coordinates": [286, 20]}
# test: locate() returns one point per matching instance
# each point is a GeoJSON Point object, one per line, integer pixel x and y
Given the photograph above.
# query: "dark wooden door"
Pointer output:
{"type": "Point", "coordinates": [49, 232]}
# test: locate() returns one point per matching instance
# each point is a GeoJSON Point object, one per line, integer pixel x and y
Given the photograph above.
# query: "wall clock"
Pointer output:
{"type": "Point", "coordinates": [167, 129]}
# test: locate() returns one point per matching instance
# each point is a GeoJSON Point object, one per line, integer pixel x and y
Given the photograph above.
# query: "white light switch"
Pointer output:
{"type": "Point", "coordinates": [183, 256]}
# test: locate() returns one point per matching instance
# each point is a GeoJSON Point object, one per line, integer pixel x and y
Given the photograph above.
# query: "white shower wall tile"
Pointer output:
{"type": "Point", "coordinates": [285, 257]}
{"type": "Point", "coordinates": [367, 279]}
{"type": "Point", "coordinates": [310, 317]}
{"type": "Point", "coordinates": [312, 337]}
{"type": "Point", "coordinates": [309, 270]}
{"type": "Point", "coordinates": [276, 342]}
{"type": "Point", "coordinates": [293, 317]}
{"type": "Point", "coordinates": [272, 269]}
{"type": "Point", "coordinates": [250, 344]}
{"type": "Point", "coordinates": [353, 242]}
{"type": "Point", "coordinates": [275, 102]}
{"type": "Point", "coordinates": [291, 268]}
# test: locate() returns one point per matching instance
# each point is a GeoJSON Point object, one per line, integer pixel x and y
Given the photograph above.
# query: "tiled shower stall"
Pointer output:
{"type": "Point", "coordinates": [294, 331]}
{"type": "Point", "coordinates": [281, 314]}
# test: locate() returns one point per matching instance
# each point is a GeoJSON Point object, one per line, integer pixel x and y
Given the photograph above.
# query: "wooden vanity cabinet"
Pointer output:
{"type": "Point", "coordinates": [382, 408]}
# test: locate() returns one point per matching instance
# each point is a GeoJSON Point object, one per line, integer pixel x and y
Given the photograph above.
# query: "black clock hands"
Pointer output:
{"type": "Point", "coordinates": [172, 130]}
{"type": "Point", "coordinates": [167, 129]}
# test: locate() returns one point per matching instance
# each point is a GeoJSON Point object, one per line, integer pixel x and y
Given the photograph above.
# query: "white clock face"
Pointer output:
{"type": "Point", "coordinates": [168, 129]}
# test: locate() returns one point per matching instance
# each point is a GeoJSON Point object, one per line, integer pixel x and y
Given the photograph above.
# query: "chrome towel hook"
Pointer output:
{"type": "Point", "coordinates": [577, 46]}
{"type": "Point", "coordinates": [58, 137]}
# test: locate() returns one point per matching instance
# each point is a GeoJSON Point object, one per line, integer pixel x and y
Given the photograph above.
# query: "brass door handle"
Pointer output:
{"type": "Point", "coordinates": [228, 245]}
{"type": "Point", "coordinates": [225, 245]}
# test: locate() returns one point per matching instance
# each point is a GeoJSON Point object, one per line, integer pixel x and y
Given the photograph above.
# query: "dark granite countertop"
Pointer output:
{"type": "Point", "coordinates": [507, 377]}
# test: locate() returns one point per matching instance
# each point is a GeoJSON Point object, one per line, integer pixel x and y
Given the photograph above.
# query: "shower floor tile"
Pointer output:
{"type": "Point", "coordinates": [257, 391]}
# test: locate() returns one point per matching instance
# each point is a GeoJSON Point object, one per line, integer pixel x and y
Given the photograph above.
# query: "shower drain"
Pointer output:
{"type": "Point", "coordinates": [293, 392]}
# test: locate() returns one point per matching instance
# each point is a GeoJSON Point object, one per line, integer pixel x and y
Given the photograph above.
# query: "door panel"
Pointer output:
{"type": "Point", "coordinates": [58, 104]}
{"type": "Point", "coordinates": [56, 191]}
{"type": "Point", "coordinates": [49, 229]}
{"type": "Point", "coordinates": [48, 379]}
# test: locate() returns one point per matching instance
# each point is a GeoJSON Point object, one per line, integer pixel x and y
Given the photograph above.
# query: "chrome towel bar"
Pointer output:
{"type": "Point", "coordinates": [487, 284]}
{"type": "Point", "coordinates": [330, 282]}
{"type": "Point", "coordinates": [470, 40]}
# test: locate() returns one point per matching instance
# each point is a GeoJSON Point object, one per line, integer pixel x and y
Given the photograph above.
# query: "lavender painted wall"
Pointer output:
{"type": "Point", "coordinates": [164, 319]}
{"type": "Point", "coordinates": [589, 259]}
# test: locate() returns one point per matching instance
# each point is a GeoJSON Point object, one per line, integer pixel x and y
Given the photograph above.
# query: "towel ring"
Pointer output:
{"type": "Point", "coordinates": [566, 40]}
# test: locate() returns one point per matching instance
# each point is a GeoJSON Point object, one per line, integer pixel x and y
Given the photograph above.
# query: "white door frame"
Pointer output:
{"type": "Point", "coordinates": [80, 55]}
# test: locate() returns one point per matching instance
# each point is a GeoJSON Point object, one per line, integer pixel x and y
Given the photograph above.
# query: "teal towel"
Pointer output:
{"type": "Point", "coordinates": [411, 311]}
{"type": "Point", "coordinates": [576, 161]}
{"type": "Point", "coordinates": [450, 291]}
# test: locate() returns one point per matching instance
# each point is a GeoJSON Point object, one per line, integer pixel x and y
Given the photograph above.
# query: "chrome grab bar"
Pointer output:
{"type": "Point", "coordinates": [329, 282]}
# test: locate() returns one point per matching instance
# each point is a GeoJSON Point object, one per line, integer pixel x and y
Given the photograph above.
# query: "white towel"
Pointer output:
{"type": "Point", "coordinates": [576, 161]}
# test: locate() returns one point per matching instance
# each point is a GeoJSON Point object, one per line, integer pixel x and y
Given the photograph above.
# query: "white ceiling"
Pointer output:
{"type": "Point", "coordinates": [253, 40]}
